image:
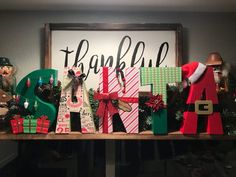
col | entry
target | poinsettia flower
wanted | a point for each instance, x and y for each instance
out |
(156, 103)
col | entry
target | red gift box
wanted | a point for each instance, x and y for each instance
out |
(43, 125)
(17, 124)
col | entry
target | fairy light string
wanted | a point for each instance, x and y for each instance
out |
(36, 82)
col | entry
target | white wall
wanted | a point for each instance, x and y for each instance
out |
(21, 36)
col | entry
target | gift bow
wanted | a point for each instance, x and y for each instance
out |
(156, 103)
(76, 81)
(29, 117)
(42, 128)
(105, 103)
(16, 117)
(43, 117)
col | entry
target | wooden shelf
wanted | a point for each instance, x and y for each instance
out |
(147, 135)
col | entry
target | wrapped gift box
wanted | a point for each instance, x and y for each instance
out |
(43, 124)
(17, 124)
(126, 94)
(30, 124)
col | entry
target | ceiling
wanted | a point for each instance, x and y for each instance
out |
(122, 5)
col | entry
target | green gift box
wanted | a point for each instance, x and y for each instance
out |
(30, 124)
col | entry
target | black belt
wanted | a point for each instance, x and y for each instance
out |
(191, 107)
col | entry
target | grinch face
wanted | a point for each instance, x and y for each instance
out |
(6, 71)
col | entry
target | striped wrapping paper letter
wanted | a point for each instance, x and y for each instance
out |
(110, 84)
(158, 78)
(130, 96)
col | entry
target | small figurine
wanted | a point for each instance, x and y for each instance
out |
(7, 78)
(7, 88)
(221, 71)
(224, 79)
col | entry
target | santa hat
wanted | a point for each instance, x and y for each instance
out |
(193, 71)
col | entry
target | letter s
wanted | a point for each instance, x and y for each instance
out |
(43, 108)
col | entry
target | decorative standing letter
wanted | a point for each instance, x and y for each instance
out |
(129, 95)
(158, 78)
(26, 91)
(74, 98)
(111, 89)
(208, 106)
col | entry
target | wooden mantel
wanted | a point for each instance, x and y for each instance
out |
(147, 135)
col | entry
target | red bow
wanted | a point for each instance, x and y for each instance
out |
(16, 117)
(156, 103)
(105, 106)
(43, 117)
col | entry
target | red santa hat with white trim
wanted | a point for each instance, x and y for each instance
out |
(192, 72)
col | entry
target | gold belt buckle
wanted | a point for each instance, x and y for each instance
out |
(206, 107)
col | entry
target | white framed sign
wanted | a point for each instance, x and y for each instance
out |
(91, 46)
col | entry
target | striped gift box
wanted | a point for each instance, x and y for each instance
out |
(130, 96)
(129, 119)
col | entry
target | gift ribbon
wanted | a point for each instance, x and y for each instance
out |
(16, 117)
(43, 118)
(129, 99)
(105, 106)
(76, 81)
(105, 100)
(29, 117)
(18, 123)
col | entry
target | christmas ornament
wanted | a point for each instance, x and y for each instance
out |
(36, 105)
(51, 80)
(17, 98)
(40, 82)
(26, 104)
(28, 83)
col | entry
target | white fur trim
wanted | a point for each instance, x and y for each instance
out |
(197, 73)
(226, 69)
